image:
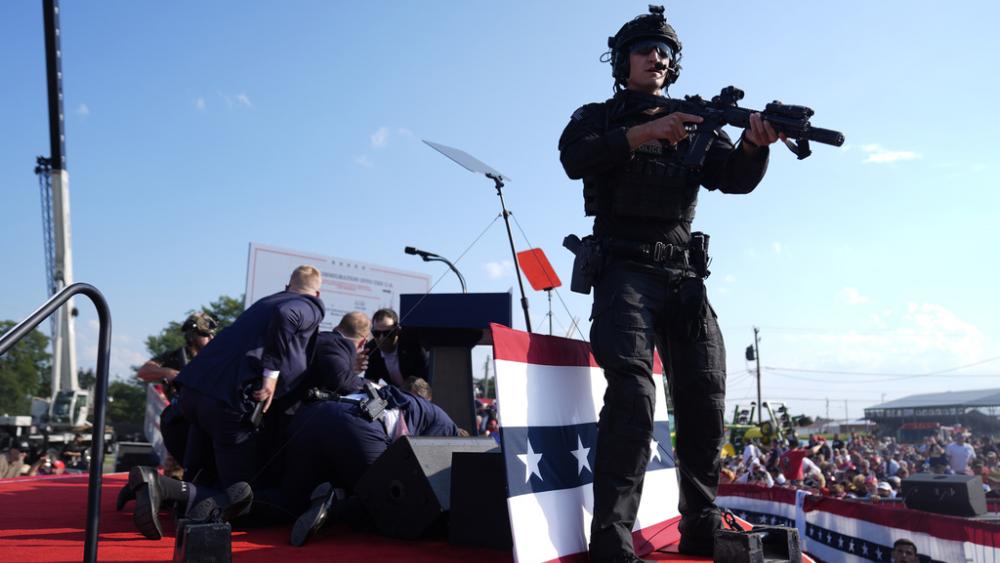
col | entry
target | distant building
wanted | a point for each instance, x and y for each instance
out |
(824, 426)
(977, 410)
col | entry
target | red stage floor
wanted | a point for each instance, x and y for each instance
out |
(43, 519)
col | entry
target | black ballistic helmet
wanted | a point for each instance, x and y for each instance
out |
(645, 27)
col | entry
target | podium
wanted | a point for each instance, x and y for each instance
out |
(449, 325)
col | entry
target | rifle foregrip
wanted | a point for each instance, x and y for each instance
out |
(826, 136)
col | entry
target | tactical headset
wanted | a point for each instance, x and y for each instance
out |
(647, 26)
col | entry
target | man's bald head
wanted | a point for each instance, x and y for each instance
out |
(355, 325)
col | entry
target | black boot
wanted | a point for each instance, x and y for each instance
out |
(698, 532)
(148, 496)
(125, 494)
(235, 501)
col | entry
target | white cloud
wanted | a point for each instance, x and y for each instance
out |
(853, 296)
(380, 138)
(363, 160)
(730, 278)
(776, 246)
(499, 269)
(199, 104)
(924, 339)
(879, 155)
(83, 110)
(404, 132)
(240, 99)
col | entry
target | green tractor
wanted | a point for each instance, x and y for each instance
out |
(775, 425)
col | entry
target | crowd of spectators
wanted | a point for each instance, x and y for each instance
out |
(21, 460)
(486, 418)
(863, 466)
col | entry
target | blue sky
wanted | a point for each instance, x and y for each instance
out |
(194, 128)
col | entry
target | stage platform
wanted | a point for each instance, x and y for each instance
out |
(43, 519)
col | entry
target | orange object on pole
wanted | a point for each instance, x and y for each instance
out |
(538, 270)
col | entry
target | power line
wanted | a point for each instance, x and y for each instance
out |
(836, 331)
(888, 375)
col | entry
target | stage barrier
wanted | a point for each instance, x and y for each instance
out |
(837, 530)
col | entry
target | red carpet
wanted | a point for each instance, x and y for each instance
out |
(43, 519)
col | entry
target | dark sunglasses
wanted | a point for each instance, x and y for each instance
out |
(647, 47)
(383, 333)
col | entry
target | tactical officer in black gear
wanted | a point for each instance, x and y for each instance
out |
(649, 269)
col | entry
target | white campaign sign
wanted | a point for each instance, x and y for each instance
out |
(348, 285)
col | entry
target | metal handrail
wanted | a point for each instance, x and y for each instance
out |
(21, 330)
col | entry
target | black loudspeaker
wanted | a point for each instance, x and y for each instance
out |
(957, 495)
(762, 544)
(203, 542)
(479, 515)
(131, 454)
(408, 488)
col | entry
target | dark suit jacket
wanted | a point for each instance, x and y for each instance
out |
(274, 333)
(332, 367)
(413, 360)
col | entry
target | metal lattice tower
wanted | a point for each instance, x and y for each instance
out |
(43, 170)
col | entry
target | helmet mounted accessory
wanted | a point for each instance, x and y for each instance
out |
(646, 31)
(199, 324)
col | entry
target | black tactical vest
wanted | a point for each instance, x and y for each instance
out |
(654, 184)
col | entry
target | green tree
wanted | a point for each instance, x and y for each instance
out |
(23, 369)
(128, 397)
(87, 378)
(225, 309)
(128, 402)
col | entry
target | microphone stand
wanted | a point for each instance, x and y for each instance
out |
(510, 237)
(435, 258)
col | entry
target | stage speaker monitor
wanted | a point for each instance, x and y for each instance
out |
(479, 515)
(956, 495)
(407, 490)
(131, 454)
(203, 542)
(762, 544)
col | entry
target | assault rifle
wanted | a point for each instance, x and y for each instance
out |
(791, 120)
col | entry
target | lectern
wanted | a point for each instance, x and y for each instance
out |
(450, 325)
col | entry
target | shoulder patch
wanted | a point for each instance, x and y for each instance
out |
(585, 111)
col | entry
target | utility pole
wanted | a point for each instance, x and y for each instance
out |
(753, 353)
(64, 374)
(486, 380)
(760, 403)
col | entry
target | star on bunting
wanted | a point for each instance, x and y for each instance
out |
(580, 453)
(530, 461)
(654, 450)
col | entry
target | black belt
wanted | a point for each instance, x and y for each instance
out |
(658, 253)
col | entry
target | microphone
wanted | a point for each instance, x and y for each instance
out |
(421, 253)
(661, 66)
(430, 256)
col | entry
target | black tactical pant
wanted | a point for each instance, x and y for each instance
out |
(238, 450)
(635, 307)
